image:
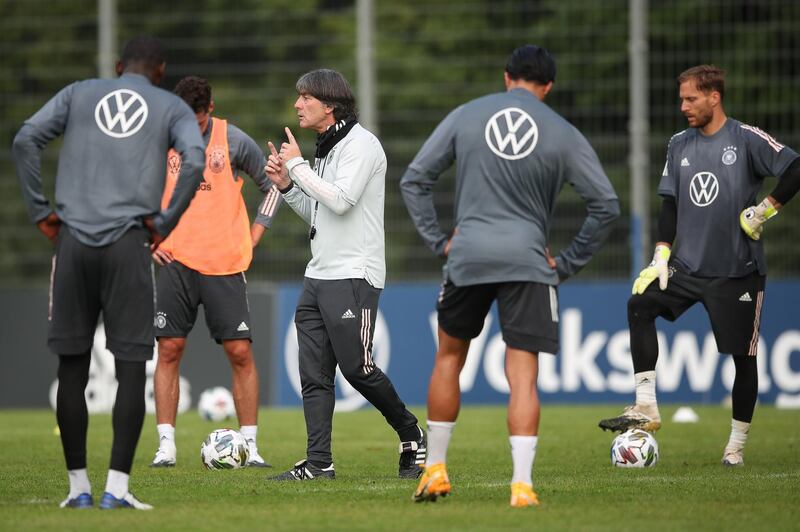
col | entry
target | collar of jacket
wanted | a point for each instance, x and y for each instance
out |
(327, 140)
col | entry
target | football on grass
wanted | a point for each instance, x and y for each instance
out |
(224, 449)
(216, 404)
(634, 448)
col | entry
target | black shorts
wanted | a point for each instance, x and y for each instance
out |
(181, 290)
(528, 313)
(733, 305)
(116, 279)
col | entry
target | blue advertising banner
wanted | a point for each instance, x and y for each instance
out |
(594, 361)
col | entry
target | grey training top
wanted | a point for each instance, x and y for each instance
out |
(513, 154)
(713, 178)
(246, 156)
(111, 165)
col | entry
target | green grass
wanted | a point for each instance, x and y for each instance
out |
(579, 490)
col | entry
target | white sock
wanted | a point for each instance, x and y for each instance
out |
(78, 482)
(249, 431)
(739, 430)
(439, 433)
(645, 388)
(165, 432)
(523, 451)
(117, 483)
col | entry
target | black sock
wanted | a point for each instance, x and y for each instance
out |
(128, 414)
(745, 388)
(71, 412)
(409, 433)
(644, 340)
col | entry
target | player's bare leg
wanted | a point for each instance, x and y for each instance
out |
(245, 393)
(166, 378)
(444, 390)
(522, 370)
(166, 383)
(444, 402)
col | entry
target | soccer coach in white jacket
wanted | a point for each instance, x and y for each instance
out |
(341, 198)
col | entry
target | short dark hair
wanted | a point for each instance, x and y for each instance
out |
(707, 78)
(143, 49)
(331, 88)
(194, 91)
(531, 63)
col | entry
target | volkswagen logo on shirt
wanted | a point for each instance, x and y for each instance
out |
(511, 133)
(121, 113)
(703, 189)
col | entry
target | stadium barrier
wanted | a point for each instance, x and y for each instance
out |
(592, 366)
(28, 377)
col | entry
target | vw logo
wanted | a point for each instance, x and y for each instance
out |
(511, 133)
(121, 113)
(347, 398)
(703, 189)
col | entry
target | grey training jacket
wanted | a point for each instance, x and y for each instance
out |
(513, 154)
(111, 165)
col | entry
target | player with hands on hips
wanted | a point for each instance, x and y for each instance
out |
(508, 181)
(106, 219)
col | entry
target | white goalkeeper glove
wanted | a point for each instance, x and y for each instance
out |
(657, 269)
(752, 218)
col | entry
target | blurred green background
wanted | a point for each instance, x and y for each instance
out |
(430, 56)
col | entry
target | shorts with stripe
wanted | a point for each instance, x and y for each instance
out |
(116, 280)
(733, 305)
(181, 291)
(528, 312)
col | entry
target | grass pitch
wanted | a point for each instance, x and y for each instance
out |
(578, 488)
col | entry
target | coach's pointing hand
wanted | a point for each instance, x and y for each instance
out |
(290, 149)
(275, 169)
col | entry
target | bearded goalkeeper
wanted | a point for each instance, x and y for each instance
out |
(713, 173)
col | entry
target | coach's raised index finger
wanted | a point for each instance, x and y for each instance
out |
(272, 148)
(289, 136)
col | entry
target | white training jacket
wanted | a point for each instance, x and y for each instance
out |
(342, 198)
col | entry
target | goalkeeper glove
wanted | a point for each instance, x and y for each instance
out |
(657, 269)
(752, 218)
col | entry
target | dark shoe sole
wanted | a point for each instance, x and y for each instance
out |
(410, 473)
(288, 477)
(622, 424)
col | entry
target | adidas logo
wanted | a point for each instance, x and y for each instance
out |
(745, 297)
(684, 162)
(348, 314)
(243, 327)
